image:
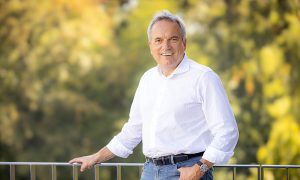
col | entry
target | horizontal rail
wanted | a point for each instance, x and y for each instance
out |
(67, 164)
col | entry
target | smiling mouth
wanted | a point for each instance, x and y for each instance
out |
(167, 54)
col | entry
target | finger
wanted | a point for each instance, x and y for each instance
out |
(75, 160)
(83, 167)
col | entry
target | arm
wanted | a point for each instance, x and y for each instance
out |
(122, 144)
(219, 118)
(87, 162)
(221, 123)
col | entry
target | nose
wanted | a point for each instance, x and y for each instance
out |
(166, 45)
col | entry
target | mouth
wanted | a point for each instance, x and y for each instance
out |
(166, 54)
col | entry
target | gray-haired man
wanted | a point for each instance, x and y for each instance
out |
(180, 112)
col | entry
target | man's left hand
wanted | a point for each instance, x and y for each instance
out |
(190, 173)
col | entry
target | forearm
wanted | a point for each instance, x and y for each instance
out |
(103, 155)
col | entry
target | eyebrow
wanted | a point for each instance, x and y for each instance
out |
(174, 37)
(168, 38)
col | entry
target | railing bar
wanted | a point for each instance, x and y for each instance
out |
(233, 173)
(259, 173)
(119, 173)
(262, 173)
(75, 172)
(141, 170)
(53, 172)
(32, 172)
(96, 171)
(12, 175)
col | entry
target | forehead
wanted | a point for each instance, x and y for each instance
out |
(165, 28)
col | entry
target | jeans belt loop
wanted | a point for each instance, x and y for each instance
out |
(172, 159)
(163, 160)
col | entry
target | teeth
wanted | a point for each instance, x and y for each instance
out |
(166, 54)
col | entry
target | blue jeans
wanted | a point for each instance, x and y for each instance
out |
(170, 172)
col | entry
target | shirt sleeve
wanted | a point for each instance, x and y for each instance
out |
(122, 145)
(220, 119)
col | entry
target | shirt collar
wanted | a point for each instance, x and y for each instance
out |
(181, 68)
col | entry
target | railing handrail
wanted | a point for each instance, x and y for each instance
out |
(67, 164)
(141, 164)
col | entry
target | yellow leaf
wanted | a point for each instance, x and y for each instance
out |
(280, 107)
(271, 58)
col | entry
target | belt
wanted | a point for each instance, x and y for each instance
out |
(173, 159)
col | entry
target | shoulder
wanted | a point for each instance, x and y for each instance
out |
(148, 75)
(200, 70)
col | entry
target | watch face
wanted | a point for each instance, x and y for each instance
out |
(203, 168)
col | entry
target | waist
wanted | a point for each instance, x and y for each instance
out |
(173, 159)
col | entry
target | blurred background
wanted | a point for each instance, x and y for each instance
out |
(69, 70)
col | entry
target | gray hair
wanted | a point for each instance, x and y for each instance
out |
(166, 15)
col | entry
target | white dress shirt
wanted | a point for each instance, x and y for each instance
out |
(186, 112)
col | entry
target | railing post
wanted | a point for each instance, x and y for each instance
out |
(12, 175)
(259, 172)
(233, 173)
(32, 172)
(96, 171)
(141, 170)
(287, 174)
(119, 172)
(75, 172)
(53, 172)
(262, 172)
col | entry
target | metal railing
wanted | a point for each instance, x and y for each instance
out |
(118, 166)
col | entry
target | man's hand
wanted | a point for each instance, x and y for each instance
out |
(190, 173)
(88, 162)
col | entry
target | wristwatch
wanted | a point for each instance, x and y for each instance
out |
(203, 166)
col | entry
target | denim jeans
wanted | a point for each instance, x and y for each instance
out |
(170, 172)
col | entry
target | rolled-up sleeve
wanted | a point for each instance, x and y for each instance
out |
(220, 120)
(122, 144)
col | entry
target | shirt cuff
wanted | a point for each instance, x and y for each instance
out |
(216, 156)
(118, 149)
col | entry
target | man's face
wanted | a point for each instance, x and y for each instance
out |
(166, 45)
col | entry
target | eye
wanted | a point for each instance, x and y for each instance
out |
(174, 39)
(157, 41)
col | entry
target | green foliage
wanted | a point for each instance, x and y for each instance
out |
(69, 69)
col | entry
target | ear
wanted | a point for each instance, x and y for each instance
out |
(184, 44)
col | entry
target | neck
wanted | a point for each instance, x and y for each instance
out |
(167, 72)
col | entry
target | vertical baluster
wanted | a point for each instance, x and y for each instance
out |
(140, 170)
(12, 175)
(32, 172)
(262, 173)
(119, 172)
(234, 173)
(96, 171)
(75, 172)
(287, 174)
(53, 172)
(259, 173)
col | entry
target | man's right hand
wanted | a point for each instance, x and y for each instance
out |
(88, 162)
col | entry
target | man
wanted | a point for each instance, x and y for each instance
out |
(180, 112)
